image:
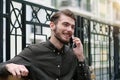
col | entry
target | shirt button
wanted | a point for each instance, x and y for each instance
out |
(85, 74)
(58, 53)
(57, 79)
(58, 66)
(53, 50)
(80, 65)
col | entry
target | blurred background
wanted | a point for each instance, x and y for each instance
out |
(25, 22)
(103, 10)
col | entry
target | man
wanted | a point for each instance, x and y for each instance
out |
(53, 59)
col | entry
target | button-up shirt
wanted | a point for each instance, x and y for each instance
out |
(45, 62)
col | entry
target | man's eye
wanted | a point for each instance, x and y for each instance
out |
(73, 26)
(66, 24)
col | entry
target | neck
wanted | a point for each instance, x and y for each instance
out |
(56, 42)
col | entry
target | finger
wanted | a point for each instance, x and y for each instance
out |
(18, 73)
(77, 39)
(24, 71)
(77, 42)
(13, 73)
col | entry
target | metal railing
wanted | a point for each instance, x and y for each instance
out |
(28, 23)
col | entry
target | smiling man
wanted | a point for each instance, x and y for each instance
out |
(53, 59)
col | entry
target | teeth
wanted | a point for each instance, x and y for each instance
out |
(67, 35)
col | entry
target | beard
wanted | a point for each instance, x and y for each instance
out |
(58, 37)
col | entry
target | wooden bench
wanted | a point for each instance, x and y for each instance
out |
(10, 77)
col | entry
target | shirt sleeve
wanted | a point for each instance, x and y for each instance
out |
(21, 58)
(3, 71)
(82, 72)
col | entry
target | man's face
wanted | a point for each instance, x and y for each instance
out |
(64, 29)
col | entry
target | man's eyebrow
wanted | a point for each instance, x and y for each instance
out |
(68, 23)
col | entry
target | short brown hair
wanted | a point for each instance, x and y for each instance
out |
(66, 12)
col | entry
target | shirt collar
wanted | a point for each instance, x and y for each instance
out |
(54, 48)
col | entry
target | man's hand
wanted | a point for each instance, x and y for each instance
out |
(78, 50)
(17, 70)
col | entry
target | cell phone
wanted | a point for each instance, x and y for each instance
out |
(72, 45)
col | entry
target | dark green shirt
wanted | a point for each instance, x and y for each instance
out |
(46, 62)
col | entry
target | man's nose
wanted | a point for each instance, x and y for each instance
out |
(69, 28)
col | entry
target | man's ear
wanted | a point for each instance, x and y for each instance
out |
(52, 25)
